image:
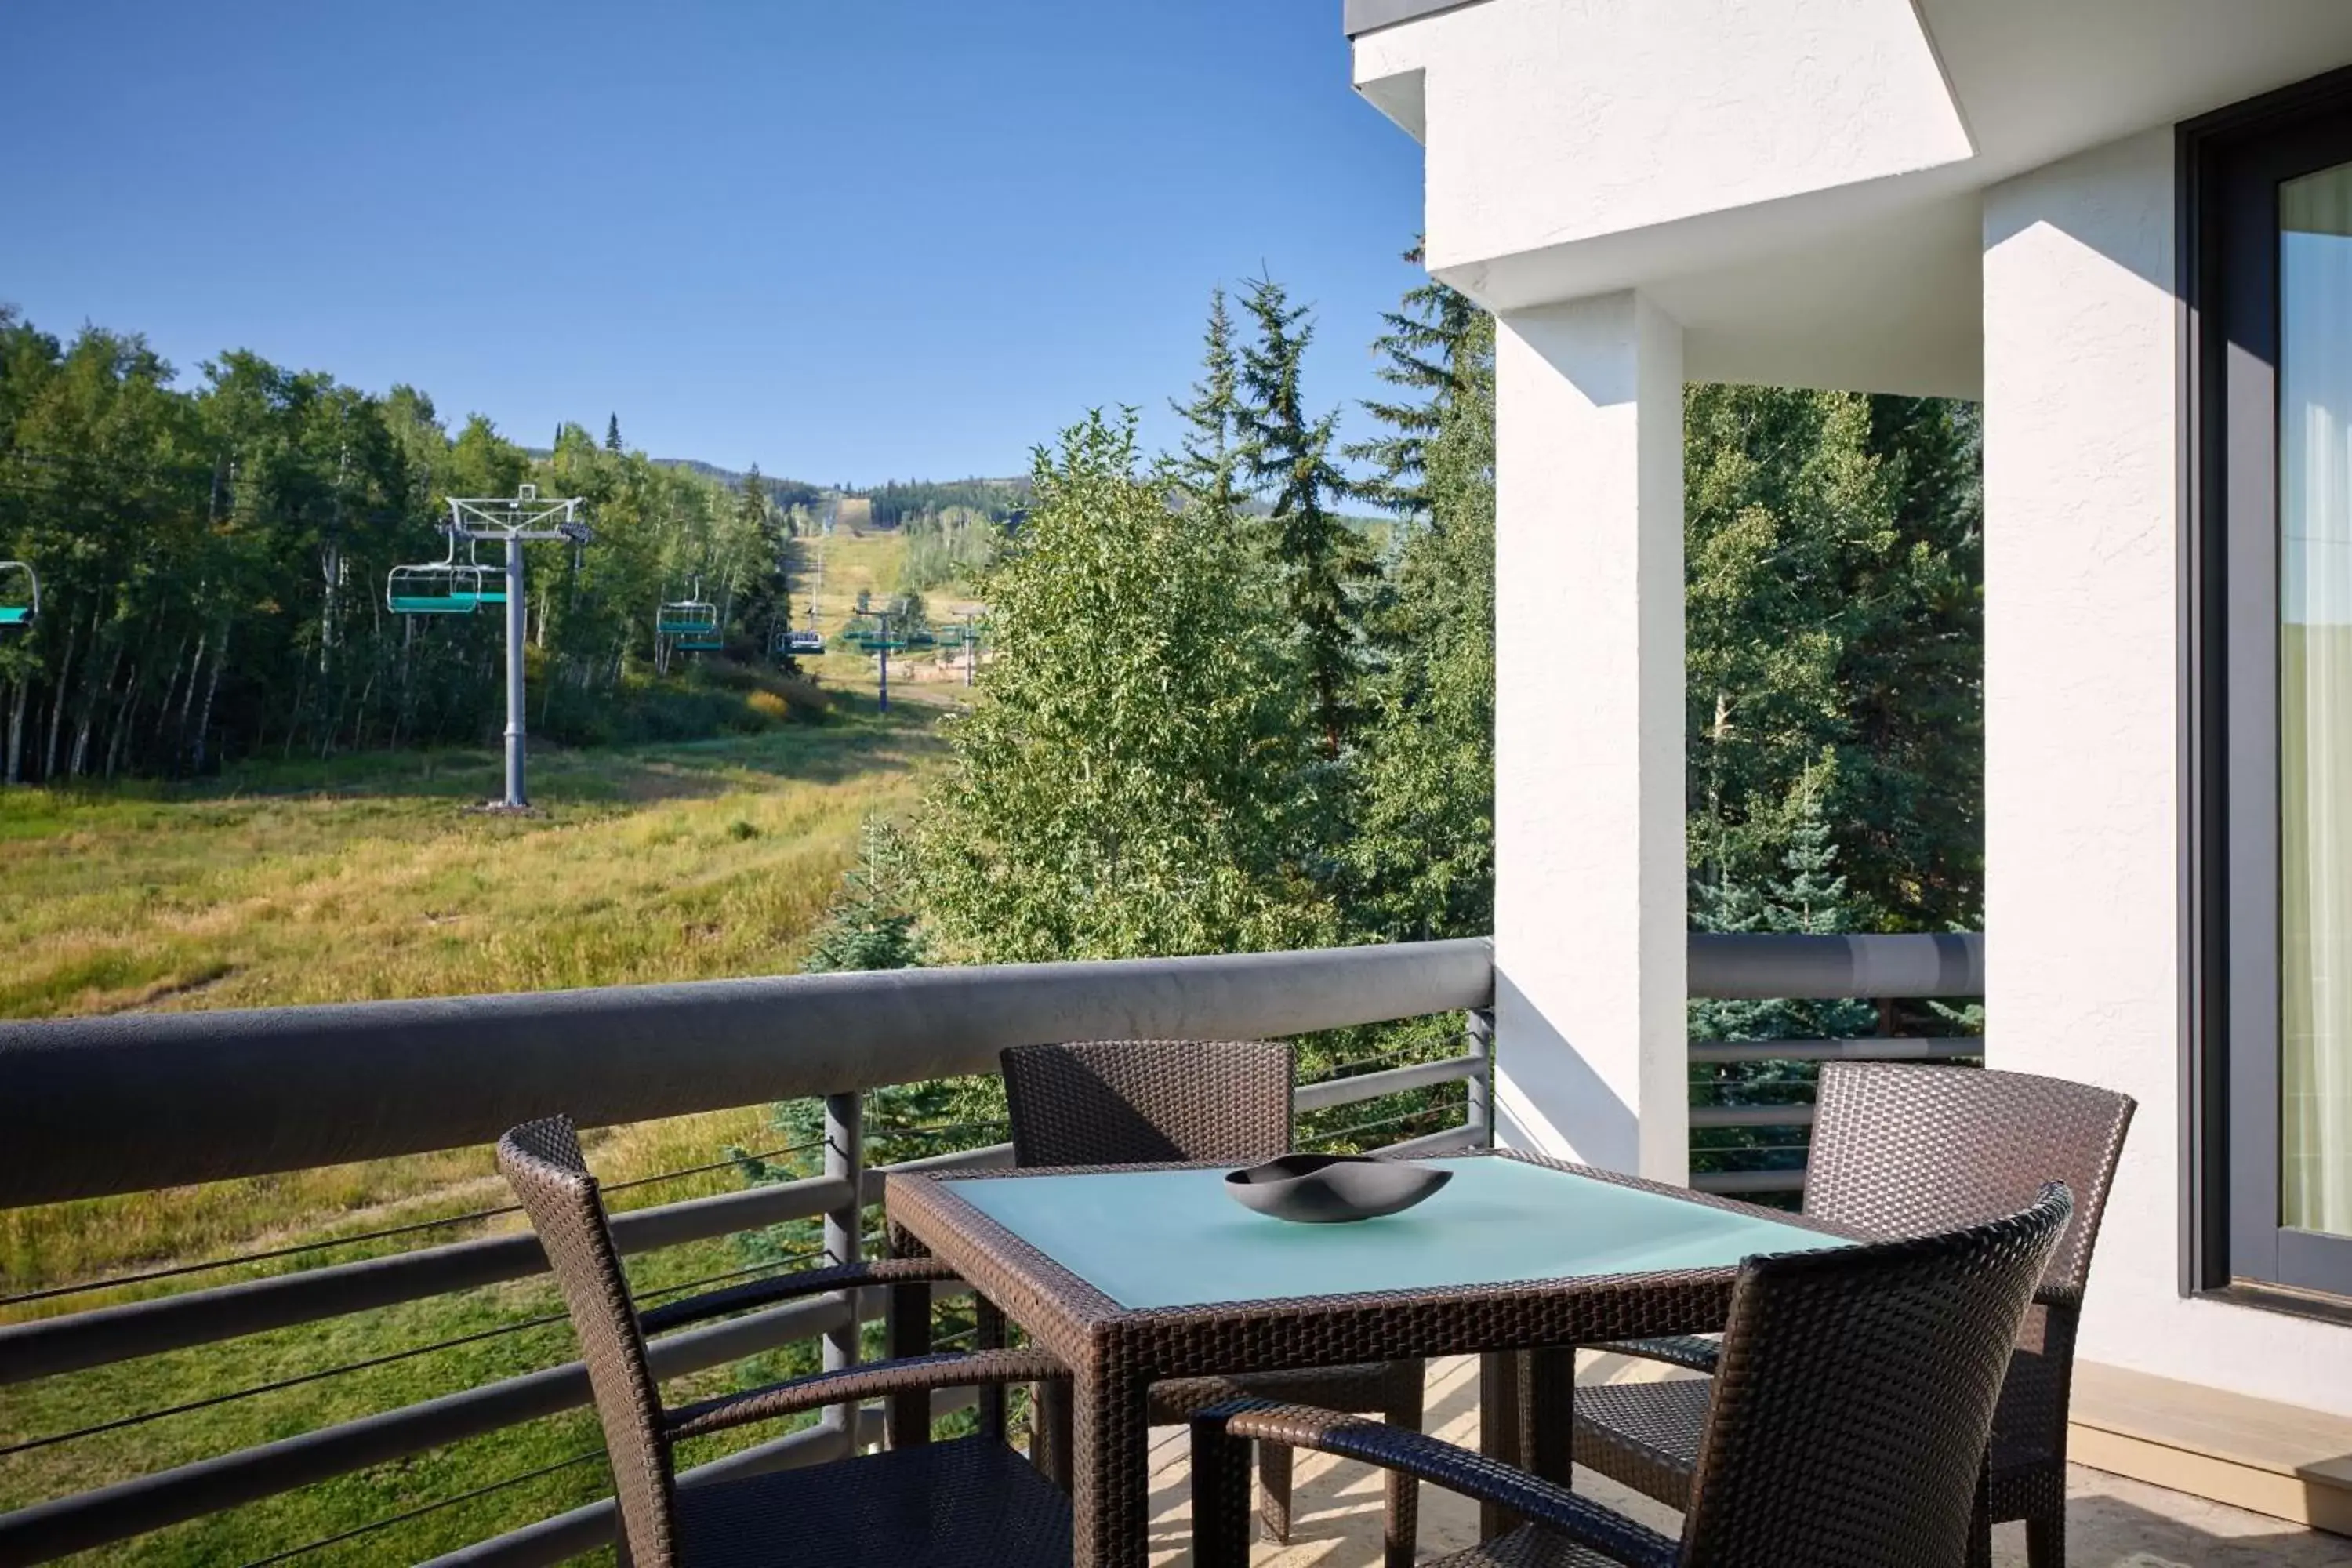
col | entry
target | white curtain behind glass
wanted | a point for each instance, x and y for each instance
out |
(2315, 702)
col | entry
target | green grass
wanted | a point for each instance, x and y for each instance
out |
(363, 878)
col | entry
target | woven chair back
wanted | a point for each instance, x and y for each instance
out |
(1123, 1103)
(542, 1160)
(1855, 1396)
(1900, 1149)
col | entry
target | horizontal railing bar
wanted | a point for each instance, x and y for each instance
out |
(1877, 1048)
(133, 1507)
(247, 1259)
(1751, 1116)
(406, 1516)
(1395, 1081)
(1762, 966)
(592, 1525)
(584, 1529)
(47, 1346)
(126, 1103)
(1734, 1181)
(1463, 1137)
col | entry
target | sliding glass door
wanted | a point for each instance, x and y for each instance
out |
(2276, 456)
(2314, 675)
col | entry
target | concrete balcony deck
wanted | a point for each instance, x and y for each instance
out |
(2113, 1521)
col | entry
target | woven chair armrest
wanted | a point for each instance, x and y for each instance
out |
(850, 1385)
(2059, 1298)
(1686, 1351)
(1444, 1464)
(790, 1286)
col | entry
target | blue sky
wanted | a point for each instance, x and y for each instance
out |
(849, 240)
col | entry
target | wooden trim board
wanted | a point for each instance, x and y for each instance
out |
(2278, 1459)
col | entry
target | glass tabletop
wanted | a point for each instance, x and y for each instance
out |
(1173, 1238)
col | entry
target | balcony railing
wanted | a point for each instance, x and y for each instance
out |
(92, 1108)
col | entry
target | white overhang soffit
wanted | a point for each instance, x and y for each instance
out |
(1636, 128)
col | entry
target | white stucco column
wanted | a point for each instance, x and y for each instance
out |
(1590, 917)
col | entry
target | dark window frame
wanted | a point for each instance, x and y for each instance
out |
(2229, 165)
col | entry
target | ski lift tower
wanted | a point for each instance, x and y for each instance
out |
(515, 520)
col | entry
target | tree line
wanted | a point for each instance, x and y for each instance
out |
(212, 563)
(1226, 719)
(1223, 720)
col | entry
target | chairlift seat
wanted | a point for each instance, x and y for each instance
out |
(436, 588)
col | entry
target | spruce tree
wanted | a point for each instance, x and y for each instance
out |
(1208, 469)
(1289, 457)
(611, 433)
(1420, 850)
(1423, 348)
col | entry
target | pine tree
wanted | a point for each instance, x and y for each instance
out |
(611, 433)
(1208, 470)
(1289, 457)
(1419, 850)
(1424, 348)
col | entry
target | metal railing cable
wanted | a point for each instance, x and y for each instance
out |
(421, 1511)
(389, 1358)
(1338, 1070)
(235, 1261)
(1413, 1115)
(733, 1163)
(328, 1244)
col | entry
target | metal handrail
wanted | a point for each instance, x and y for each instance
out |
(119, 1104)
(1289, 993)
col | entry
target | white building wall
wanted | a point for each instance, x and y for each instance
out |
(2083, 712)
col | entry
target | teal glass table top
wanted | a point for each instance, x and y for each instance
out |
(1173, 1238)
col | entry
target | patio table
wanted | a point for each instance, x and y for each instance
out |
(1132, 1275)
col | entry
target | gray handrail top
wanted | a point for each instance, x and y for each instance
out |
(126, 1103)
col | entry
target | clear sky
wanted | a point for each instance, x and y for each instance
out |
(849, 240)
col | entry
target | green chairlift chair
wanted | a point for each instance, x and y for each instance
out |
(20, 595)
(436, 588)
(691, 624)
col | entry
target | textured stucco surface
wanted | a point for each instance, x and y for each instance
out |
(2081, 807)
(1589, 944)
(1550, 122)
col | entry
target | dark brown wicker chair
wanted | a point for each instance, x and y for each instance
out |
(1898, 1151)
(1125, 1103)
(973, 1502)
(1853, 1394)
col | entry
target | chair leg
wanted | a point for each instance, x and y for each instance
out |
(2045, 1540)
(1050, 1413)
(1401, 1536)
(1273, 1489)
(988, 1334)
(1220, 1497)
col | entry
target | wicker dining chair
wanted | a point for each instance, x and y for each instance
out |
(1126, 1102)
(963, 1504)
(1899, 1150)
(1854, 1390)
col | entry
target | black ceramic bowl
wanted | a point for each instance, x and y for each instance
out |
(1332, 1189)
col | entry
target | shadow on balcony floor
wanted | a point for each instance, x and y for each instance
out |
(2113, 1522)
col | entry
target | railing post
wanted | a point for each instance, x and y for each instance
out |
(1479, 1033)
(845, 1157)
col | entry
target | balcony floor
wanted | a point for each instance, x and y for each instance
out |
(2113, 1522)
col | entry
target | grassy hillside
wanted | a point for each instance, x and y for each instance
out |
(368, 878)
